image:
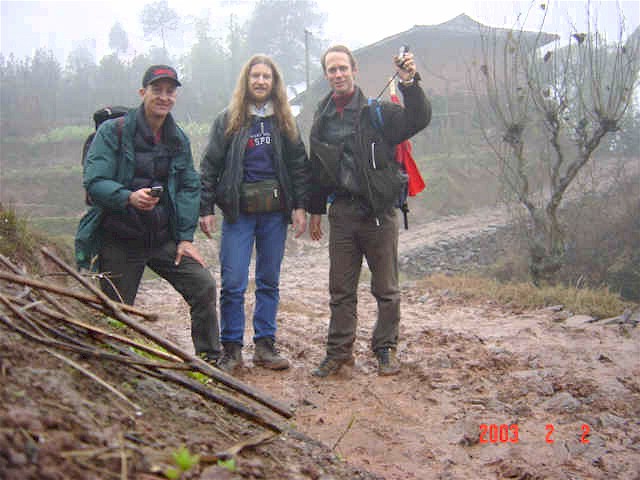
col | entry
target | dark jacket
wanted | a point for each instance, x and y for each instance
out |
(222, 170)
(110, 167)
(379, 175)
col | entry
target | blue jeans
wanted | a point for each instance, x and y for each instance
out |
(270, 233)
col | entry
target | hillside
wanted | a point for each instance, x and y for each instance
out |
(467, 366)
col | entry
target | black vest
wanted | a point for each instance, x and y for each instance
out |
(340, 129)
(152, 162)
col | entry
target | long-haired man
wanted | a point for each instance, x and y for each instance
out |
(256, 170)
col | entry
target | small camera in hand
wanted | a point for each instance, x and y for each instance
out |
(156, 191)
(402, 53)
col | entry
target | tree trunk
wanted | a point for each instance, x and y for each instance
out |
(546, 245)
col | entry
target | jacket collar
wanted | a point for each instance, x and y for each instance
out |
(136, 119)
(265, 111)
(327, 107)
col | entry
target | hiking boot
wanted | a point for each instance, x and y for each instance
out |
(388, 364)
(210, 358)
(266, 355)
(331, 366)
(231, 357)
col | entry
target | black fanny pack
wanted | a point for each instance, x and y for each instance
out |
(261, 197)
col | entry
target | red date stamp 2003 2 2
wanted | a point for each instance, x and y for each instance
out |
(509, 433)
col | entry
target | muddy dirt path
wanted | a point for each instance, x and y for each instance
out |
(485, 392)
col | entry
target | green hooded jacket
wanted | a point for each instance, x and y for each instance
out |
(109, 169)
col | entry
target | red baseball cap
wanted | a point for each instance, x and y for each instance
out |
(156, 72)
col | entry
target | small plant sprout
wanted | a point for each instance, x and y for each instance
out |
(183, 461)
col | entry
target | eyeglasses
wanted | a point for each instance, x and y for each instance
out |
(160, 90)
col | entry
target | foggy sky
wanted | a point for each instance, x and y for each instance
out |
(61, 25)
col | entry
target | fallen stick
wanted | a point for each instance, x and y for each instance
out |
(34, 326)
(93, 452)
(98, 332)
(151, 368)
(123, 459)
(335, 445)
(234, 450)
(233, 405)
(83, 297)
(94, 377)
(197, 363)
(52, 300)
(87, 351)
(196, 387)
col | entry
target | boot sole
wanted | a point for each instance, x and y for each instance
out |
(271, 366)
(321, 374)
(231, 371)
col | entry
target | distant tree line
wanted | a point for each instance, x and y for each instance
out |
(38, 93)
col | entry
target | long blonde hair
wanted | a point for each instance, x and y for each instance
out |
(238, 110)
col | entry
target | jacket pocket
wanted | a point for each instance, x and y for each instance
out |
(386, 185)
(325, 159)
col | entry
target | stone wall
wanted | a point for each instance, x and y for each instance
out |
(460, 254)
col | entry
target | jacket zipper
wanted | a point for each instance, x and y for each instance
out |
(373, 155)
(373, 160)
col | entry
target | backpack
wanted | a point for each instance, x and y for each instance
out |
(375, 116)
(99, 117)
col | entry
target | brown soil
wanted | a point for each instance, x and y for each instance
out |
(471, 372)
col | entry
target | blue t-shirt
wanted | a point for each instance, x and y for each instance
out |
(258, 157)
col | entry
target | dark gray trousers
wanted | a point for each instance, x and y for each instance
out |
(352, 237)
(197, 286)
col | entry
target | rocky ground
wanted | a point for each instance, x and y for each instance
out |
(486, 391)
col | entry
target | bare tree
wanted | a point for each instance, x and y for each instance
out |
(545, 113)
(158, 19)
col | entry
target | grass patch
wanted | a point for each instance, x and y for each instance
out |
(599, 303)
(16, 240)
(20, 242)
(63, 227)
(70, 133)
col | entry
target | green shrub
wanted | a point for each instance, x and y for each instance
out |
(69, 133)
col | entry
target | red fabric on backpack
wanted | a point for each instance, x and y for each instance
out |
(403, 156)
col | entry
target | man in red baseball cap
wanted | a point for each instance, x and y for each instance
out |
(156, 72)
(145, 190)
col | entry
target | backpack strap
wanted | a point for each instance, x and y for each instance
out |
(119, 128)
(375, 115)
(87, 144)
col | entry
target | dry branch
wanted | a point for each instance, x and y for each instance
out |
(99, 333)
(52, 300)
(351, 422)
(154, 369)
(91, 352)
(96, 379)
(234, 450)
(57, 289)
(233, 405)
(57, 328)
(197, 363)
